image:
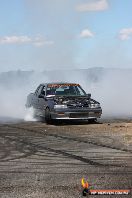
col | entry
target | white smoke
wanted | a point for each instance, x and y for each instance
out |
(12, 102)
(14, 94)
(114, 93)
(29, 116)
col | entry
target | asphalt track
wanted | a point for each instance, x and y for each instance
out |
(39, 160)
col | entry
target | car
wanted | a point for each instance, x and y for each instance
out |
(63, 100)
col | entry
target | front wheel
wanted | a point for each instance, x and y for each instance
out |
(48, 119)
(92, 121)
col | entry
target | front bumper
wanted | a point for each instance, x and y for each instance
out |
(76, 113)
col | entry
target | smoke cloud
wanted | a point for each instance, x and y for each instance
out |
(114, 93)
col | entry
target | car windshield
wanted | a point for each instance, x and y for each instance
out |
(65, 90)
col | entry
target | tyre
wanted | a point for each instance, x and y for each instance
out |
(48, 119)
(92, 121)
(35, 115)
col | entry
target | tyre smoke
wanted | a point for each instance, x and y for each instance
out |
(29, 115)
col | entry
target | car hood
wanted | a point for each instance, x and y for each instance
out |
(73, 101)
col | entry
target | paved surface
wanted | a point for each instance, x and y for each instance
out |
(39, 160)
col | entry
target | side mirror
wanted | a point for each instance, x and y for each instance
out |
(89, 95)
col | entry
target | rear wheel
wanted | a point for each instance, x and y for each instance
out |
(36, 116)
(35, 113)
(48, 119)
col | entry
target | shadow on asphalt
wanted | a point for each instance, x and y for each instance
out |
(73, 122)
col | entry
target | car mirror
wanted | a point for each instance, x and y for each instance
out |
(89, 95)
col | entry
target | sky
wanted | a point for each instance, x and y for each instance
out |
(65, 34)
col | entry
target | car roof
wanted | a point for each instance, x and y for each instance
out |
(57, 83)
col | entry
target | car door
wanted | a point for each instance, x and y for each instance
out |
(41, 102)
(35, 97)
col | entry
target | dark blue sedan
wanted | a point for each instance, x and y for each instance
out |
(63, 101)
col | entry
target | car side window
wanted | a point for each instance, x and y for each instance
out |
(39, 90)
(43, 91)
(36, 92)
